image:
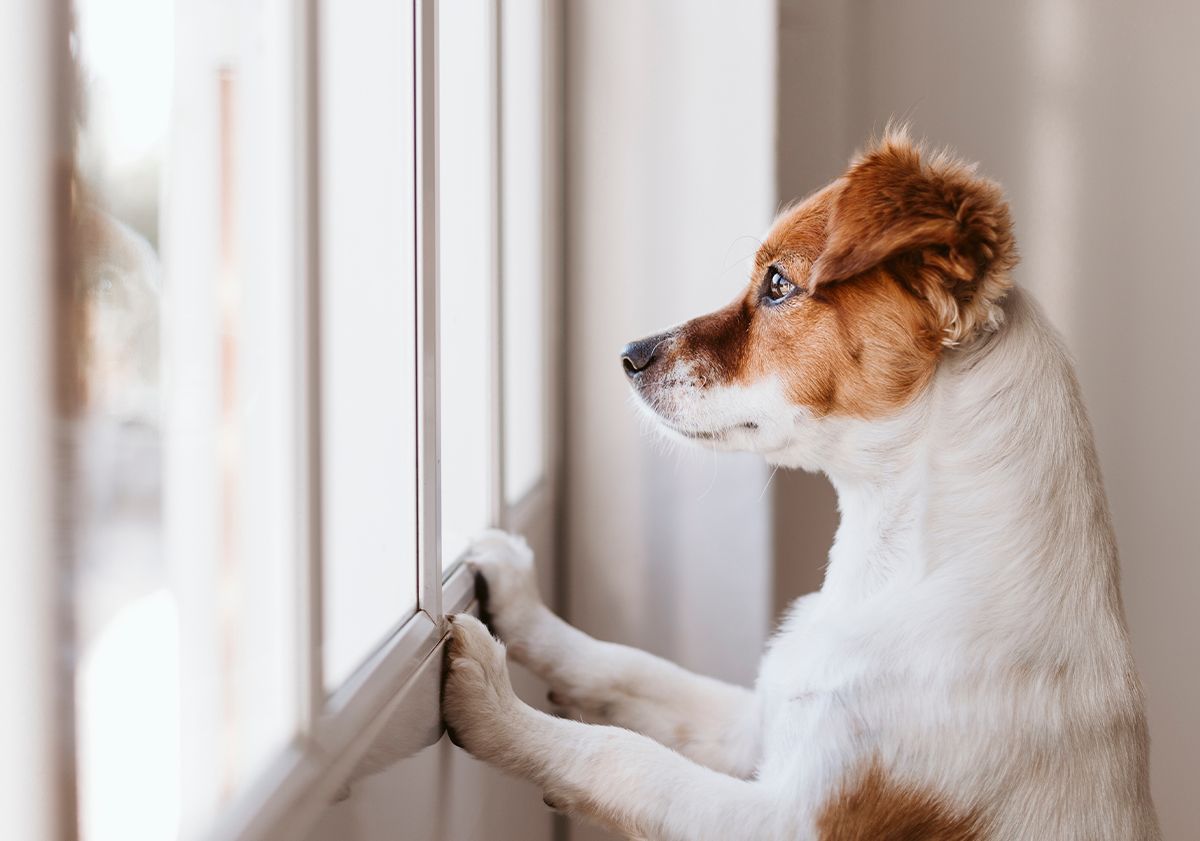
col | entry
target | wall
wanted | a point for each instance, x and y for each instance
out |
(1088, 113)
(670, 180)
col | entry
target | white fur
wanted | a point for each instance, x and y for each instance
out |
(969, 634)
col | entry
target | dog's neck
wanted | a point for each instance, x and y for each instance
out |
(989, 478)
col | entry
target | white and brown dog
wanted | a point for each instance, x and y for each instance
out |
(965, 671)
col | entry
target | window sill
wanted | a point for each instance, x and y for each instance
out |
(389, 710)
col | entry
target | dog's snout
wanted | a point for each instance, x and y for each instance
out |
(640, 355)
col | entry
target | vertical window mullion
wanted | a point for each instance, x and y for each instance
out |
(499, 508)
(429, 578)
(309, 595)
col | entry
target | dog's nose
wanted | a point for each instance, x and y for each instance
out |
(638, 356)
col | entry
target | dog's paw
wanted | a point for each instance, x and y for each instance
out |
(479, 707)
(506, 581)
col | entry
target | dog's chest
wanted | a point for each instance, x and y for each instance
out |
(837, 687)
(810, 684)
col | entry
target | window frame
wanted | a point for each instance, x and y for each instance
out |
(397, 686)
(397, 689)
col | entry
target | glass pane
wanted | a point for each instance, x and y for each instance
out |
(368, 324)
(523, 246)
(184, 467)
(466, 179)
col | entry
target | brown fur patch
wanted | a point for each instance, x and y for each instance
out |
(874, 807)
(895, 260)
(951, 225)
(718, 340)
(861, 348)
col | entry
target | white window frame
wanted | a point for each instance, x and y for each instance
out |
(395, 692)
(396, 689)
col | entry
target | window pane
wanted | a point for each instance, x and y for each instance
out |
(523, 266)
(368, 367)
(184, 469)
(466, 179)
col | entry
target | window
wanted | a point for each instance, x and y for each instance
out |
(368, 327)
(523, 133)
(303, 351)
(467, 189)
(186, 430)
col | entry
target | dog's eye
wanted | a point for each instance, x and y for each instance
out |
(778, 286)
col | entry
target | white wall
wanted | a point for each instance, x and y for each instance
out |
(1088, 112)
(670, 182)
(670, 179)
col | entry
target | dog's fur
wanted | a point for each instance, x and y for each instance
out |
(965, 672)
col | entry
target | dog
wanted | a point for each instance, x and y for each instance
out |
(965, 671)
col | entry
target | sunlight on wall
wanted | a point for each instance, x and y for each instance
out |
(674, 162)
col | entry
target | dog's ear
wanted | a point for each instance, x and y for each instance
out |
(938, 226)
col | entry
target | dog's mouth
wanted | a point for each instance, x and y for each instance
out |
(714, 434)
(674, 395)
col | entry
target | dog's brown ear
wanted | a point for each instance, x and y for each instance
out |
(941, 228)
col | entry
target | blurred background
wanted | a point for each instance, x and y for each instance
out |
(234, 201)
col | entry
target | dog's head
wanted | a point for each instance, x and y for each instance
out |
(854, 295)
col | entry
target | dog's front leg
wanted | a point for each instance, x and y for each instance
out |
(710, 722)
(613, 776)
